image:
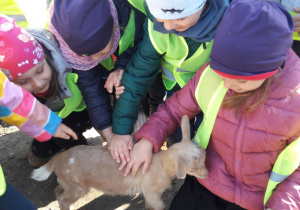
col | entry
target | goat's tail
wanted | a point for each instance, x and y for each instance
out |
(42, 173)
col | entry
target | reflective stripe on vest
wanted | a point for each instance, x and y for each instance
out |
(126, 41)
(175, 67)
(169, 75)
(287, 162)
(2, 182)
(18, 18)
(209, 94)
(75, 102)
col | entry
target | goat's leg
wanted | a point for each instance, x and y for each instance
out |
(58, 190)
(154, 201)
(63, 203)
(67, 196)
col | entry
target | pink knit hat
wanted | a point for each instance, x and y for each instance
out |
(19, 51)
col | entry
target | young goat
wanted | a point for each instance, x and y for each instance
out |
(84, 167)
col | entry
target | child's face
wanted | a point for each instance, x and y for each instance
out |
(37, 79)
(105, 51)
(241, 85)
(181, 24)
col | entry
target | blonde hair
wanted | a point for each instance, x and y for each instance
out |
(249, 101)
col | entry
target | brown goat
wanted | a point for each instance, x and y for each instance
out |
(85, 167)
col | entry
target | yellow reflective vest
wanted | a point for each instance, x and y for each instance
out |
(2, 182)
(175, 67)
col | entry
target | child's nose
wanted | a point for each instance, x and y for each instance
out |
(37, 83)
(169, 24)
(227, 82)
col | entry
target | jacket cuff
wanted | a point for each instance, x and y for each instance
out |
(156, 144)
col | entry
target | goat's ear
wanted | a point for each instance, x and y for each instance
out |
(185, 127)
(180, 168)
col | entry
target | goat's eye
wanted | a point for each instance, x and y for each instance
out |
(195, 158)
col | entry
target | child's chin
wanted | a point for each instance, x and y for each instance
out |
(238, 91)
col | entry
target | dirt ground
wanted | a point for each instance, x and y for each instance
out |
(13, 158)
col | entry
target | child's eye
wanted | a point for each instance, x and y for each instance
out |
(242, 81)
(40, 71)
(180, 19)
(23, 82)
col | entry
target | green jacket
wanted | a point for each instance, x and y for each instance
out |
(140, 74)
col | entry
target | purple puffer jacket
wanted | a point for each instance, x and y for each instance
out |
(242, 151)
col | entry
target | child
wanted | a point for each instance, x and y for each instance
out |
(34, 119)
(105, 32)
(259, 115)
(39, 68)
(177, 41)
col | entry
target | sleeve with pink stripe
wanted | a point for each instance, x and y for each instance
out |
(31, 109)
(25, 105)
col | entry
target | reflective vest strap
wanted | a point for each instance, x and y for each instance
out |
(286, 163)
(138, 4)
(150, 27)
(127, 39)
(209, 93)
(2, 182)
(75, 102)
(270, 187)
(108, 64)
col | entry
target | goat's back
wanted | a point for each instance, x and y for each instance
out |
(93, 167)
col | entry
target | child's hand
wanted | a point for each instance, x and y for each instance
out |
(297, 20)
(64, 132)
(108, 134)
(119, 148)
(119, 91)
(114, 80)
(141, 153)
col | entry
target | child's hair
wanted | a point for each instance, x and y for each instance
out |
(54, 86)
(249, 101)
